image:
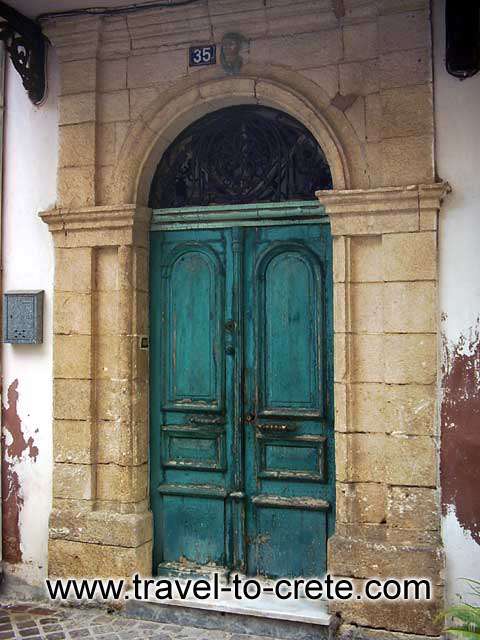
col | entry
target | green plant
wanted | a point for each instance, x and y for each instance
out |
(466, 617)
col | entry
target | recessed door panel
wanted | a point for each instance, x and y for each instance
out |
(288, 353)
(295, 458)
(289, 328)
(288, 542)
(194, 530)
(193, 318)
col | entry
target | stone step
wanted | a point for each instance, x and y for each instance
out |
(288, 619)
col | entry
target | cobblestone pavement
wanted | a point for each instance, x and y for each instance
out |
(34, 621)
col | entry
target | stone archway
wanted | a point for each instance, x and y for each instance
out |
(159, 125)
(101, 523)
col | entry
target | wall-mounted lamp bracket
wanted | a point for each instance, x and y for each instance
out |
(27, 46)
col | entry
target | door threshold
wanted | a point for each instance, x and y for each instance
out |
(300, 619)
(267, 606)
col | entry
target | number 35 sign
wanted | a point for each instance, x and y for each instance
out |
(200, 56)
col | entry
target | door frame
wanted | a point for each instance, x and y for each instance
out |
(243, 215)
(246, 215)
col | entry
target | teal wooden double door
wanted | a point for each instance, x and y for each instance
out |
(242, 452)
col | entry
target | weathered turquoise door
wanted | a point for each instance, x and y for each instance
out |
(242, 459)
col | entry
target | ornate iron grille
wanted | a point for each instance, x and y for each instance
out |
(240, 155)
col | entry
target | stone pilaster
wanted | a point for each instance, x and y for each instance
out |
(77, 42)
(100, 523)
(385, 288)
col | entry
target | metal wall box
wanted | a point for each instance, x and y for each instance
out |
(23, 317)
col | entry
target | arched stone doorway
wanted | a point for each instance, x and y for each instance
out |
(241, 392)
(384, 361)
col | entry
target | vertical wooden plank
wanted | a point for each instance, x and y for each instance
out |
(193, 355)
(290, 489)
(238, 453)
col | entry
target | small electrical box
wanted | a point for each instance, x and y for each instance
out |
(23, 317)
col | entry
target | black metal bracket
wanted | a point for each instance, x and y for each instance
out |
(27, 46)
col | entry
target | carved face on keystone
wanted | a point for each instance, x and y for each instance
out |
(230, 56)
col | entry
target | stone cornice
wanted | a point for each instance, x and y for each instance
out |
(97, 226)
(75, 38)
(103, 216)
(383, 210)
(156, 28)
(431, 196)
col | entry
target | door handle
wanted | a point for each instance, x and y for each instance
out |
(277, 428)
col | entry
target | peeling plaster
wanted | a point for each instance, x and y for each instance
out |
(15, 448)
(460, 417)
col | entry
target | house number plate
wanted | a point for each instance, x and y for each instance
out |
(200, 56)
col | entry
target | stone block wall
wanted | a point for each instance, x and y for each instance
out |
(386, 435)
(100, 523)
(370, 68)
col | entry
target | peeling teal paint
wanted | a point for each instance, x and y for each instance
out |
(242, 449)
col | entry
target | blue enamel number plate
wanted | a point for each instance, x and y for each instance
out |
(205, 55)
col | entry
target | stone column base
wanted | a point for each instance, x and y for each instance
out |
(78, 544)
(362, 559)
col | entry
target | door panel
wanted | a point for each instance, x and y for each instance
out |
(191, 406)
(241, 418)
(193, 530)
(289, 542)
(195, 291)
(289, 472)
(287, 328)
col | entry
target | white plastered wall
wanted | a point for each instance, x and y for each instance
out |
(457, 118)
(30, 161)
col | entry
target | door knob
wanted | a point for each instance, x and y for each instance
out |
(250, 417)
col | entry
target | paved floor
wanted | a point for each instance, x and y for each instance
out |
(34, 621)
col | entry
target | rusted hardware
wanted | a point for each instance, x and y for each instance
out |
(276, 427)
(250, 417)
(283, 502)
(206, 420)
